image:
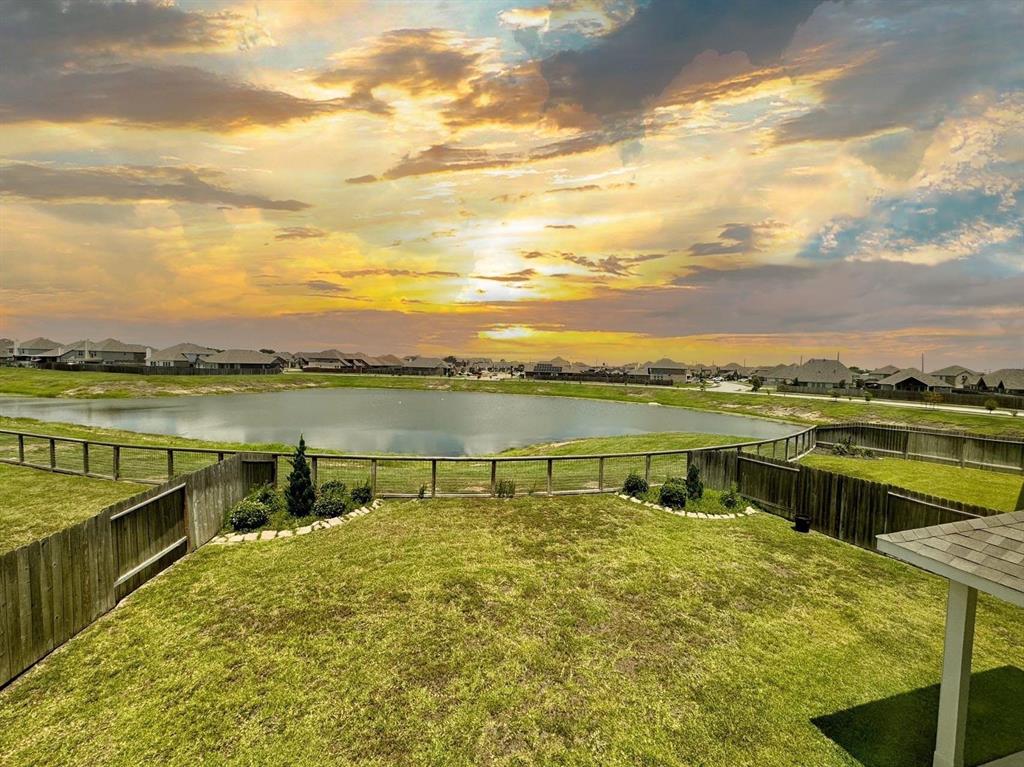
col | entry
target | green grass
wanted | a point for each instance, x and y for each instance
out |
(51, 383)
(634, 443)
(34, 503)
(584, 631)
(983, 488)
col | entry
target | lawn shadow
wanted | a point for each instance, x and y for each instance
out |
(899, 731)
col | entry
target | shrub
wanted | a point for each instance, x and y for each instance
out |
(248, 514)
(731, 499)
(505, 488)
(991, 405)
(333, 500)
(673, 493)
(268, 496)
(635, 485)
(694, 484)
(868, 396)
(422, 492)
(362, 494)
(299, 494)
(755, 383)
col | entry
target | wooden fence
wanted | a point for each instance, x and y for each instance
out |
(954, 448)
(848, 508)
(53, 588)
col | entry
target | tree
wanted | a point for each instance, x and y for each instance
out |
(299, 493)
(991, 405)
(868, 396)
(755, 383)
(694, 484)
(933, 398)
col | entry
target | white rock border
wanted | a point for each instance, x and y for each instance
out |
(690, 514)
(270, 535)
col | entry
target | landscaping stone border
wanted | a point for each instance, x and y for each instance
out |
(691, 514)
(270, 535)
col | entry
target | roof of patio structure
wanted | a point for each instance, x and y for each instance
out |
(986, 553)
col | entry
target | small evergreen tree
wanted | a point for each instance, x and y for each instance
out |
(299, 494)
(694, 484)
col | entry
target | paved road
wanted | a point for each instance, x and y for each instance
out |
(735, 387)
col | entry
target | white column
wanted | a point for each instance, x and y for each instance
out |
(956, 676)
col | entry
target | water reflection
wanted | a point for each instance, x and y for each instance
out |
(383, 420)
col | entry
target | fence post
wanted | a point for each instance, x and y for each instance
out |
(312, 469)
(85, 457)
(220, 457)
(494, 477)
(170, 463)
(116, 467)
(53, 453)
(433, 477)
(373, 477)
(647, 468)
(963, 450)
(600, 474)
(550, 470)
(21, 448)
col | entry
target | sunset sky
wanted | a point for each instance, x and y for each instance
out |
(605, 180)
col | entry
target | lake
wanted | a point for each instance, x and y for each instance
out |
(388, 420)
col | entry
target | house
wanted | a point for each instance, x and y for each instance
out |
(426, 366)
(246, 360)
(879, 373)
(109, 351)
(1005, 381)
(6, 349)
(35, 348)
(184, 355)
(328, 359)
(822, 374)
(665, 370)
(734, 371)
(549, 369)
(700, 370)
(955, 375)
(780, 374)
(912, 379)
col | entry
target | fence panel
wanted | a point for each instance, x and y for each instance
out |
(575, 474)
(398, 477)
(617, 469)
(668, 465)
(530, 476)
(770, 483)
(148, 536)
(717, 467)
(351, 471)
(460, 477)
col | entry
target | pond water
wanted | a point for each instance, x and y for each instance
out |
(388, 420)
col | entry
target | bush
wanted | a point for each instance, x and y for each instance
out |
(673, 493)
(868, 396)
(422, 492)
(299, 493)
(991, 405)
(635, 485)
(755, 383)
(505, 488)
(362, 494)
(694, 484)
(268, 496)
(333, 500)
(731, 499)
(248, 514)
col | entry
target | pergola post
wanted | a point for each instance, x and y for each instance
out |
(956, 675)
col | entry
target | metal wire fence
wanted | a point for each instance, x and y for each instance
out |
(394, 476)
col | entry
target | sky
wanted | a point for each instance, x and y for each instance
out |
(605, 180)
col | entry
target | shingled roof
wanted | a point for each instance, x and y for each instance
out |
(241, 357)
(180, 352)
(908, 373)
(823, 371)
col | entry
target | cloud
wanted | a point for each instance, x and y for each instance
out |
(129, 183)
(176, 97)
(620, 266)
(523, 275)
(325, 286)
(560, 226)
(299, 233)
(892, 74)
(369, 178)
(418, 61)
(736, 239)
(389, 272)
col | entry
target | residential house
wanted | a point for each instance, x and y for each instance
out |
(734, 371)
(328, 359)
(779, 375)
(109, 351)
(548, 369)
(822, 374)
(955, 375)
(244, 360)
(912, 379)
(879, 373)
(665, 369)
(1005, 381)
(426, 366)
(34, 349)
(184, 355)
(6, 350)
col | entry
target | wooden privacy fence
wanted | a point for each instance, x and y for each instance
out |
(953, 397)
(844, 507)
(53, 588)
(958, 449)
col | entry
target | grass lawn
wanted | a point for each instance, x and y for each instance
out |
(35, 503)
(984, 488)
(53, 383)
(634, 443)
(582, 631)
